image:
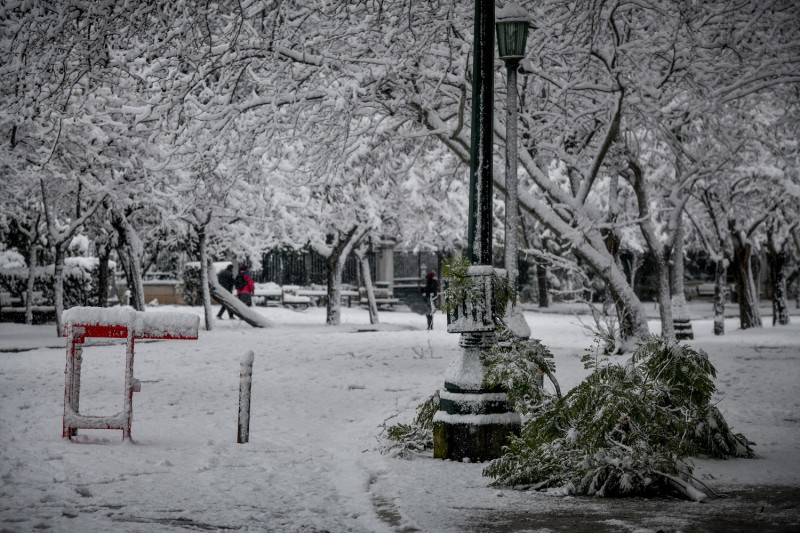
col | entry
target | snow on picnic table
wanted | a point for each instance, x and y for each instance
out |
(320, 396)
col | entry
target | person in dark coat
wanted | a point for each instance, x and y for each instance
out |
(430, 291)
(245, 286)
(225, 279)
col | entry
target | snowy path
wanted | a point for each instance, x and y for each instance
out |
(320, 396)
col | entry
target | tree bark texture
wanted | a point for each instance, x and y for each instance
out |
(129, 249)
(776, 258)
(657, 252)
(749, 314)
(720, 277)
(58, 279)
(202, 237)
(104, 253)
(372, 306)
(541, 283)
(338, 255)
(32, 257)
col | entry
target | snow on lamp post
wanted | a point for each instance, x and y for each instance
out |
(512, 36)
(474, 422)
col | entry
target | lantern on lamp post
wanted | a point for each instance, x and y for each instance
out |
(512, 37)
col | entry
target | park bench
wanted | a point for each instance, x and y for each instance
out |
(268, 294)
(384, 298)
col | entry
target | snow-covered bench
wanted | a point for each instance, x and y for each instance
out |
(384, 296)
(271, 294)
(268, 294)
(705, 290)
(291, 297)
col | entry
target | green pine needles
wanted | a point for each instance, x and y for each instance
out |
(460, 287)
(519, 366)
(626, 429)
(407, 440)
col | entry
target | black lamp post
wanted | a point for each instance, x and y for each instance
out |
(512, 36)
(472, 421)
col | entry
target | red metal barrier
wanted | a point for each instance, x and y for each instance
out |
(113, 323)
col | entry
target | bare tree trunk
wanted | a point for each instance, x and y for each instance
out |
(367, 275)
(207, 311)
(58, 279)
(719, 296)
(102, 275)
(663, 295)
(131, 249)
(776, 258)
(633, 267)
(749, 314)
(338, 255)
(32, 258)
(755, 266)
(657, 251)
(541, 283)
(333, 312)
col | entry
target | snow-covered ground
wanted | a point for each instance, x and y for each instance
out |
(320, 397)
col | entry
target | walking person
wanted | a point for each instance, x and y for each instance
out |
(225, 279)
(244, 286)
(430, 291)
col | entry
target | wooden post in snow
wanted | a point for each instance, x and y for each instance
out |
(245, 380)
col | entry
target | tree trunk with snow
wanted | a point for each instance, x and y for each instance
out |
(720, 277)
(663, 295)
(32, 258)
(208, 313)
(755, 266)
(776, 258)
(104, 252)
(749, 314)
(658, 253)
(333, 312)
(58, 280)
(367, 276)
(336, 258)
(131, 250)
(541, 283)
(612, 241)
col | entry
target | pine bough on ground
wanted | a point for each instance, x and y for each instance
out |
(627, 429)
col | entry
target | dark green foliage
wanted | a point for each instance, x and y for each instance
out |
(519, 366)
(460, 287)
(79, 284)
(625, 429)
(192, 290)
(404, 440)
(15, 282)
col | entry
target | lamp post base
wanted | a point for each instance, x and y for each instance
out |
(473, 442)
(472, 422)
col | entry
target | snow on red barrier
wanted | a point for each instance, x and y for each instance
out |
(113, 323)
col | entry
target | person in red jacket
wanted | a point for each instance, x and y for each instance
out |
(244, 286)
